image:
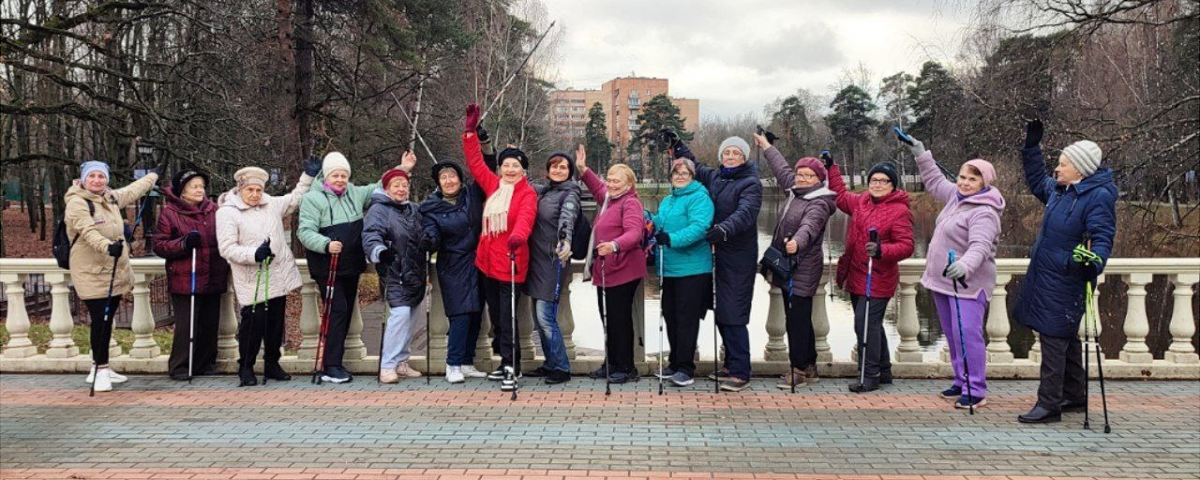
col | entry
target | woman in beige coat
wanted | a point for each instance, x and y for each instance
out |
(94, 224)
(249, 232)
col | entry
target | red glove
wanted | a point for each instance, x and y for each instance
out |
(514, 242)
(472, 118)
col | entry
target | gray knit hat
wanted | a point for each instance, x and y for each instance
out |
(735, 142)
(1085, 155)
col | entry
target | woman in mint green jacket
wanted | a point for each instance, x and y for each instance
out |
(682, 220)
(331, 223)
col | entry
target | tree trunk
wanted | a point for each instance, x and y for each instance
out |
(304, 74)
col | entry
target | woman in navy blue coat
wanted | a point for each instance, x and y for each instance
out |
(1080, 209)
(737, 195)
(452, 219)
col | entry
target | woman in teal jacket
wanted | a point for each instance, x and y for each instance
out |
(682, 220)
(331, 223)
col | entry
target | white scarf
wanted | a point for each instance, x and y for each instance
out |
(495, 210)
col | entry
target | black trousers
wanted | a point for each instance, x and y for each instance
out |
(683, 313)
(498, 294)
(878, 358)
(208, 321)
(617, 305)
(345, 293)
(261, 324)
(802, 343)
(102, 326)
(1062, 375)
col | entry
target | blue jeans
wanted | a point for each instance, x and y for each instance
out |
(464, 333)
(553, 347)
(396, 337)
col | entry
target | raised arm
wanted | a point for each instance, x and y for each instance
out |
(287, 204)
(131, 193)
(595, 185)
(935, 182)
(785, 176)
(846, 200)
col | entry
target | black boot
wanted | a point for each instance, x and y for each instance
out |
(868, 385)
(246, 376)
(1040, 415)
(275, 372)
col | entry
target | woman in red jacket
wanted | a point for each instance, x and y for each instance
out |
(188, 224)
(508, 216)
(883, 209)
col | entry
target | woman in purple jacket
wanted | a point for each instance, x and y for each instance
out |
(969, 225)
(617, 241)
(188, 224)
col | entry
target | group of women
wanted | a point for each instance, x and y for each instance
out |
(503, 236)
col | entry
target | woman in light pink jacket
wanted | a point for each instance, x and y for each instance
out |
(968, 226)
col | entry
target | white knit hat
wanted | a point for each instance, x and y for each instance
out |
(1085, 155)
(334, 161)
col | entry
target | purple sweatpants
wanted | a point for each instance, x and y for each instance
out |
(972, 322)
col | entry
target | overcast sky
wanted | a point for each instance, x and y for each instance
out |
(737, 56)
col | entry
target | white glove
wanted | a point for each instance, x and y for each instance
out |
(564, 252)
(956, 270)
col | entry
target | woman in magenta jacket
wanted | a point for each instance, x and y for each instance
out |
(884, 209)
(969, 225)
(621, 263)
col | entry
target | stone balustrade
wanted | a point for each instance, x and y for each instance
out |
(1134, 361)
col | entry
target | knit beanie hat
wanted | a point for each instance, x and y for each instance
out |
(1085, 155)
(687, 163)
(985, 169)
(566, 157)
(513, 153)
(333, 162)
(886, 168)
(735, 142)
(814, 165)
(436, 170)
(184, 176)
(92, 166)
(392, 174)
(250, 176)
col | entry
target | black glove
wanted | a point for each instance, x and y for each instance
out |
(312, 166)
(427, 245)
(115, 248)
(482, 133)
(716, 234)
(663, 239)
(873, 250)
(263, 252)
(770, 137)
(387, 256)
(1033, 133)
(828, 158)
(669, 137)
(191, 241)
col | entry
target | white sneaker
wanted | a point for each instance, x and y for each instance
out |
(469, 371)
(113, 376)
(103, 381)
(454, 374)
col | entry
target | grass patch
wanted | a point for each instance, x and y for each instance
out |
(41, 335)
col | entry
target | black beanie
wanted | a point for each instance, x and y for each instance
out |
(886, 168)
(513, 153)
(436, 171)
(570, 163)
(184, 176)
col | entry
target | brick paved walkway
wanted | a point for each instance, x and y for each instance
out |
(152, 427)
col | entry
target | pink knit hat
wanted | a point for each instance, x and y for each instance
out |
(985, 168)
(815, 165)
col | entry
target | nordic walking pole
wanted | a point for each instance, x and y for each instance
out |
(962, 342)
(192, 319)
(516, 347)
(1086, 256)
(788, 303)
(662, 320)
(716, 350)
(382, 333)
(107, 303)
(428, 307)
(604, 324)
(327, 309)
(266, 307)
(513, 76)
(862, 345)
(249, 323)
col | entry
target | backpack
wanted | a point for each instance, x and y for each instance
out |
(581, 236)
(62, 244)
